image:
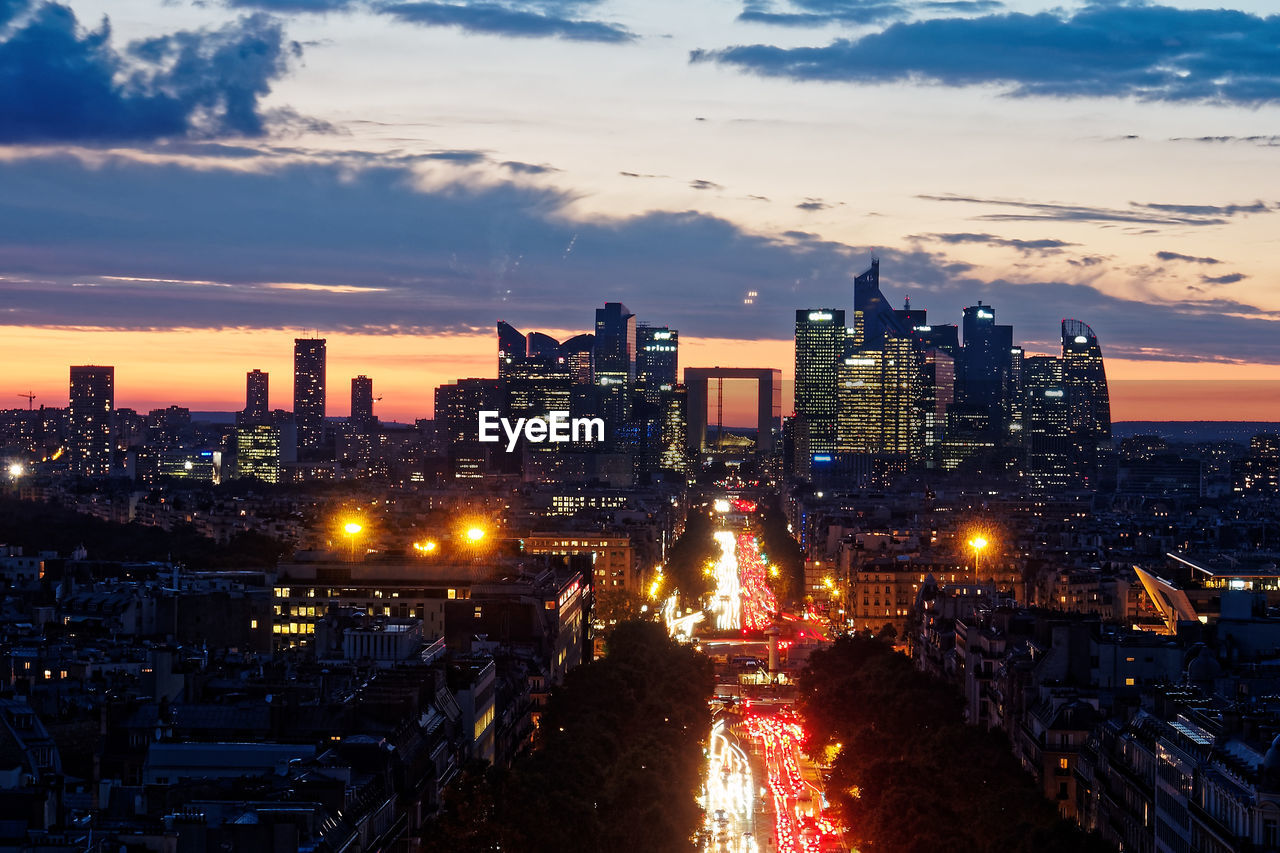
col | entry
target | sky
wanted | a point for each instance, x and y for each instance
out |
(187, 186)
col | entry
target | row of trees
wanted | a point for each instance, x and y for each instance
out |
(617, 766)
(907, 775)
(782, 550)
(46, 526)
(688, 557)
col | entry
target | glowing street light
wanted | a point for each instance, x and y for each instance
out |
(474, 534)
(427, 547)
(977, 543)
(352, 529)
(16, 470)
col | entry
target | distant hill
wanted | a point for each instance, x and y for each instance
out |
(1237, 431)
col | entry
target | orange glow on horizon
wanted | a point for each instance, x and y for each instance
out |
(204, 370)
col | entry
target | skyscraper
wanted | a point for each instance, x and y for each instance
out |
(511, 346)
(986, 366)
(615, 364)
(309, 393)
(872, 314)
(362, 402)
(657, 359)
(91, 420)
(1084, 377)
(256, 401)
(820, 343)
(879, 412)
(1045, 424)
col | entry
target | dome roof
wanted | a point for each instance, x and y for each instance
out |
(1204, 667)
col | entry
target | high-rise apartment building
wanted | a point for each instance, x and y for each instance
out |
(820, 344)
(309, 393)
(362, 402)
(257, 406)
(91, 420)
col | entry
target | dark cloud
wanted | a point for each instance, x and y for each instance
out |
(1230, 278)
(1043, 246)
(350, 245)
(700, 184)
(528, 168)
(529, 20)
(320, 6)
(811, 13)
(812, 204)
(1174, 256)
(1137, 213)
(61, 83)
(1148, 52)
(1263, 141)
(970, 7)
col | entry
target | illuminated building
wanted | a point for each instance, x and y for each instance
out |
(309, 393)
(91, 420)
(1259, 471)
(511, 346)
(612, 558)
(820, 342)
(984, 375)
(579, 357)
(1045, 424)
(936, 396)
(256, 405)
(673, 432)
(872, 314)
(1084, 377)
(615, 363)
(362, 402)
(657, 359)
(258, 452)
(186, 464)
(878, 392)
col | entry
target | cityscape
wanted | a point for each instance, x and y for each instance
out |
(572, 426)
(279, 630)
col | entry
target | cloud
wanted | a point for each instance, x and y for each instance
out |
(700, 184)
(1106, 49)
(1261, 141)
(529, 20)
(319, 6)
(353, 245)
(811, 13)
(1136, 213)
(970, 7)
(1230, 278)
(61, 84)
(812, 205)
(1174, 256)
(1045, 246)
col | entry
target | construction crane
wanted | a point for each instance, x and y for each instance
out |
(30, 398)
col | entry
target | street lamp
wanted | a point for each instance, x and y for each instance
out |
(352, 529)
(474, 534)
(977, 543)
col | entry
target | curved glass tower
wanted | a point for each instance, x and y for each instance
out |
(1084, 378)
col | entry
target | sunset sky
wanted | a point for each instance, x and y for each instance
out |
(187, 186)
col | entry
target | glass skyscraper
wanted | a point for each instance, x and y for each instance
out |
(820, 344)
(309, 392)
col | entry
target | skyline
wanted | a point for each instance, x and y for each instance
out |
(392, 177)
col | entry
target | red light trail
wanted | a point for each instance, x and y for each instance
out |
(799, 824)
(759, 605)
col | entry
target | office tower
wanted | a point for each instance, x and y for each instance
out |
(795, 446)
(1014, 394)
(615, 344)
(91, 419)
(615, 363)
(536, 386)
(945, 338)
(878, 401)
(937, 394)
(579, 357)
(309, 393)
(674, 432)
(539, 345)
(258, 452)
(1045, 424)
(511, 346)
(657, 359)
(872, 314)
(457, 419)
(1084, 377)
(362, 402)
(985, 365)
(256, 405)
(820, 343)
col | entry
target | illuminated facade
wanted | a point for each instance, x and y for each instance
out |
(309, 358)
(612, 557)
(92, 420)
(258, 452)
(878, 395)
(1084, 378)
(1046, 422)
(256, 402)
(820, 342)
(657, 360)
